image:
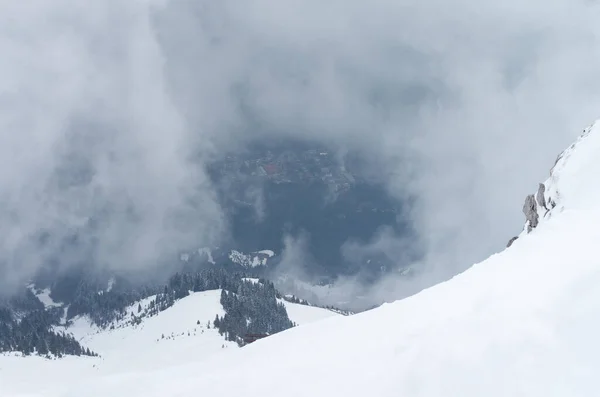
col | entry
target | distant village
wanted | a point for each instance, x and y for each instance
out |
(289, 166)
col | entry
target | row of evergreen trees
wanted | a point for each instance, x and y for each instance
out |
(296, 300)
(181, 284)
(252, 308)
(107, 307)
(29, 331)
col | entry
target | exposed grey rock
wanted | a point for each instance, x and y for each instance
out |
(541, 200)
(530, 211)
(511, 241)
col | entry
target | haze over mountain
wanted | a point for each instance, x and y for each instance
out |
(112, 113)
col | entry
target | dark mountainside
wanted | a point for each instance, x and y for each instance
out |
(306, 192)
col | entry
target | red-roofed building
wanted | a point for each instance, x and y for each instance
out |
(270, 169)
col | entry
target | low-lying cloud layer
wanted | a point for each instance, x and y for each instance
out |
(111, 109)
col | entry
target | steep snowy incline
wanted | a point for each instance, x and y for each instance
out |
(176, 335)
(569, 183)
(525, 322)
(575, 171)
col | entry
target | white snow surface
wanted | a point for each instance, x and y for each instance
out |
(573, 176)
(269, 253)
(303, 314)
(182, 335)
(124, 349)
(44, 297)
(524, 322)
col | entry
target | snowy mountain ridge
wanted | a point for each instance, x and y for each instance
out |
(574, 165)
(516, 324)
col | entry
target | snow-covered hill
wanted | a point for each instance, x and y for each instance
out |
(175, 335)
(179, 335)
(522, 323)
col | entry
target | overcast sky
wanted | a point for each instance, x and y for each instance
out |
(463, 105)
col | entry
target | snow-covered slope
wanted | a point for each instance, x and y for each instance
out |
(127, 347)
(569, 184)
(303, 314)
(179, 335)
(522, 323)
(44, 297)
(254, 259)
(176, 335)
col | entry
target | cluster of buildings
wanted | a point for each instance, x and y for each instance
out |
(291, 166)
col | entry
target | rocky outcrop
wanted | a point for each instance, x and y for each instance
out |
(537, 206)
(549, 198)
(540, 198)
(530, 210)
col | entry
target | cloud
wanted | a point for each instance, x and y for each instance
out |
(91, 139)
(460, 106)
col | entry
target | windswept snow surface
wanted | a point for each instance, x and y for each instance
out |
(576, 172)
(303, 314)
(525, 322)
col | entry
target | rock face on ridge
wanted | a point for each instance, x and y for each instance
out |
(548, 198)
(530, 209)
(511, 241)
(540, 198)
